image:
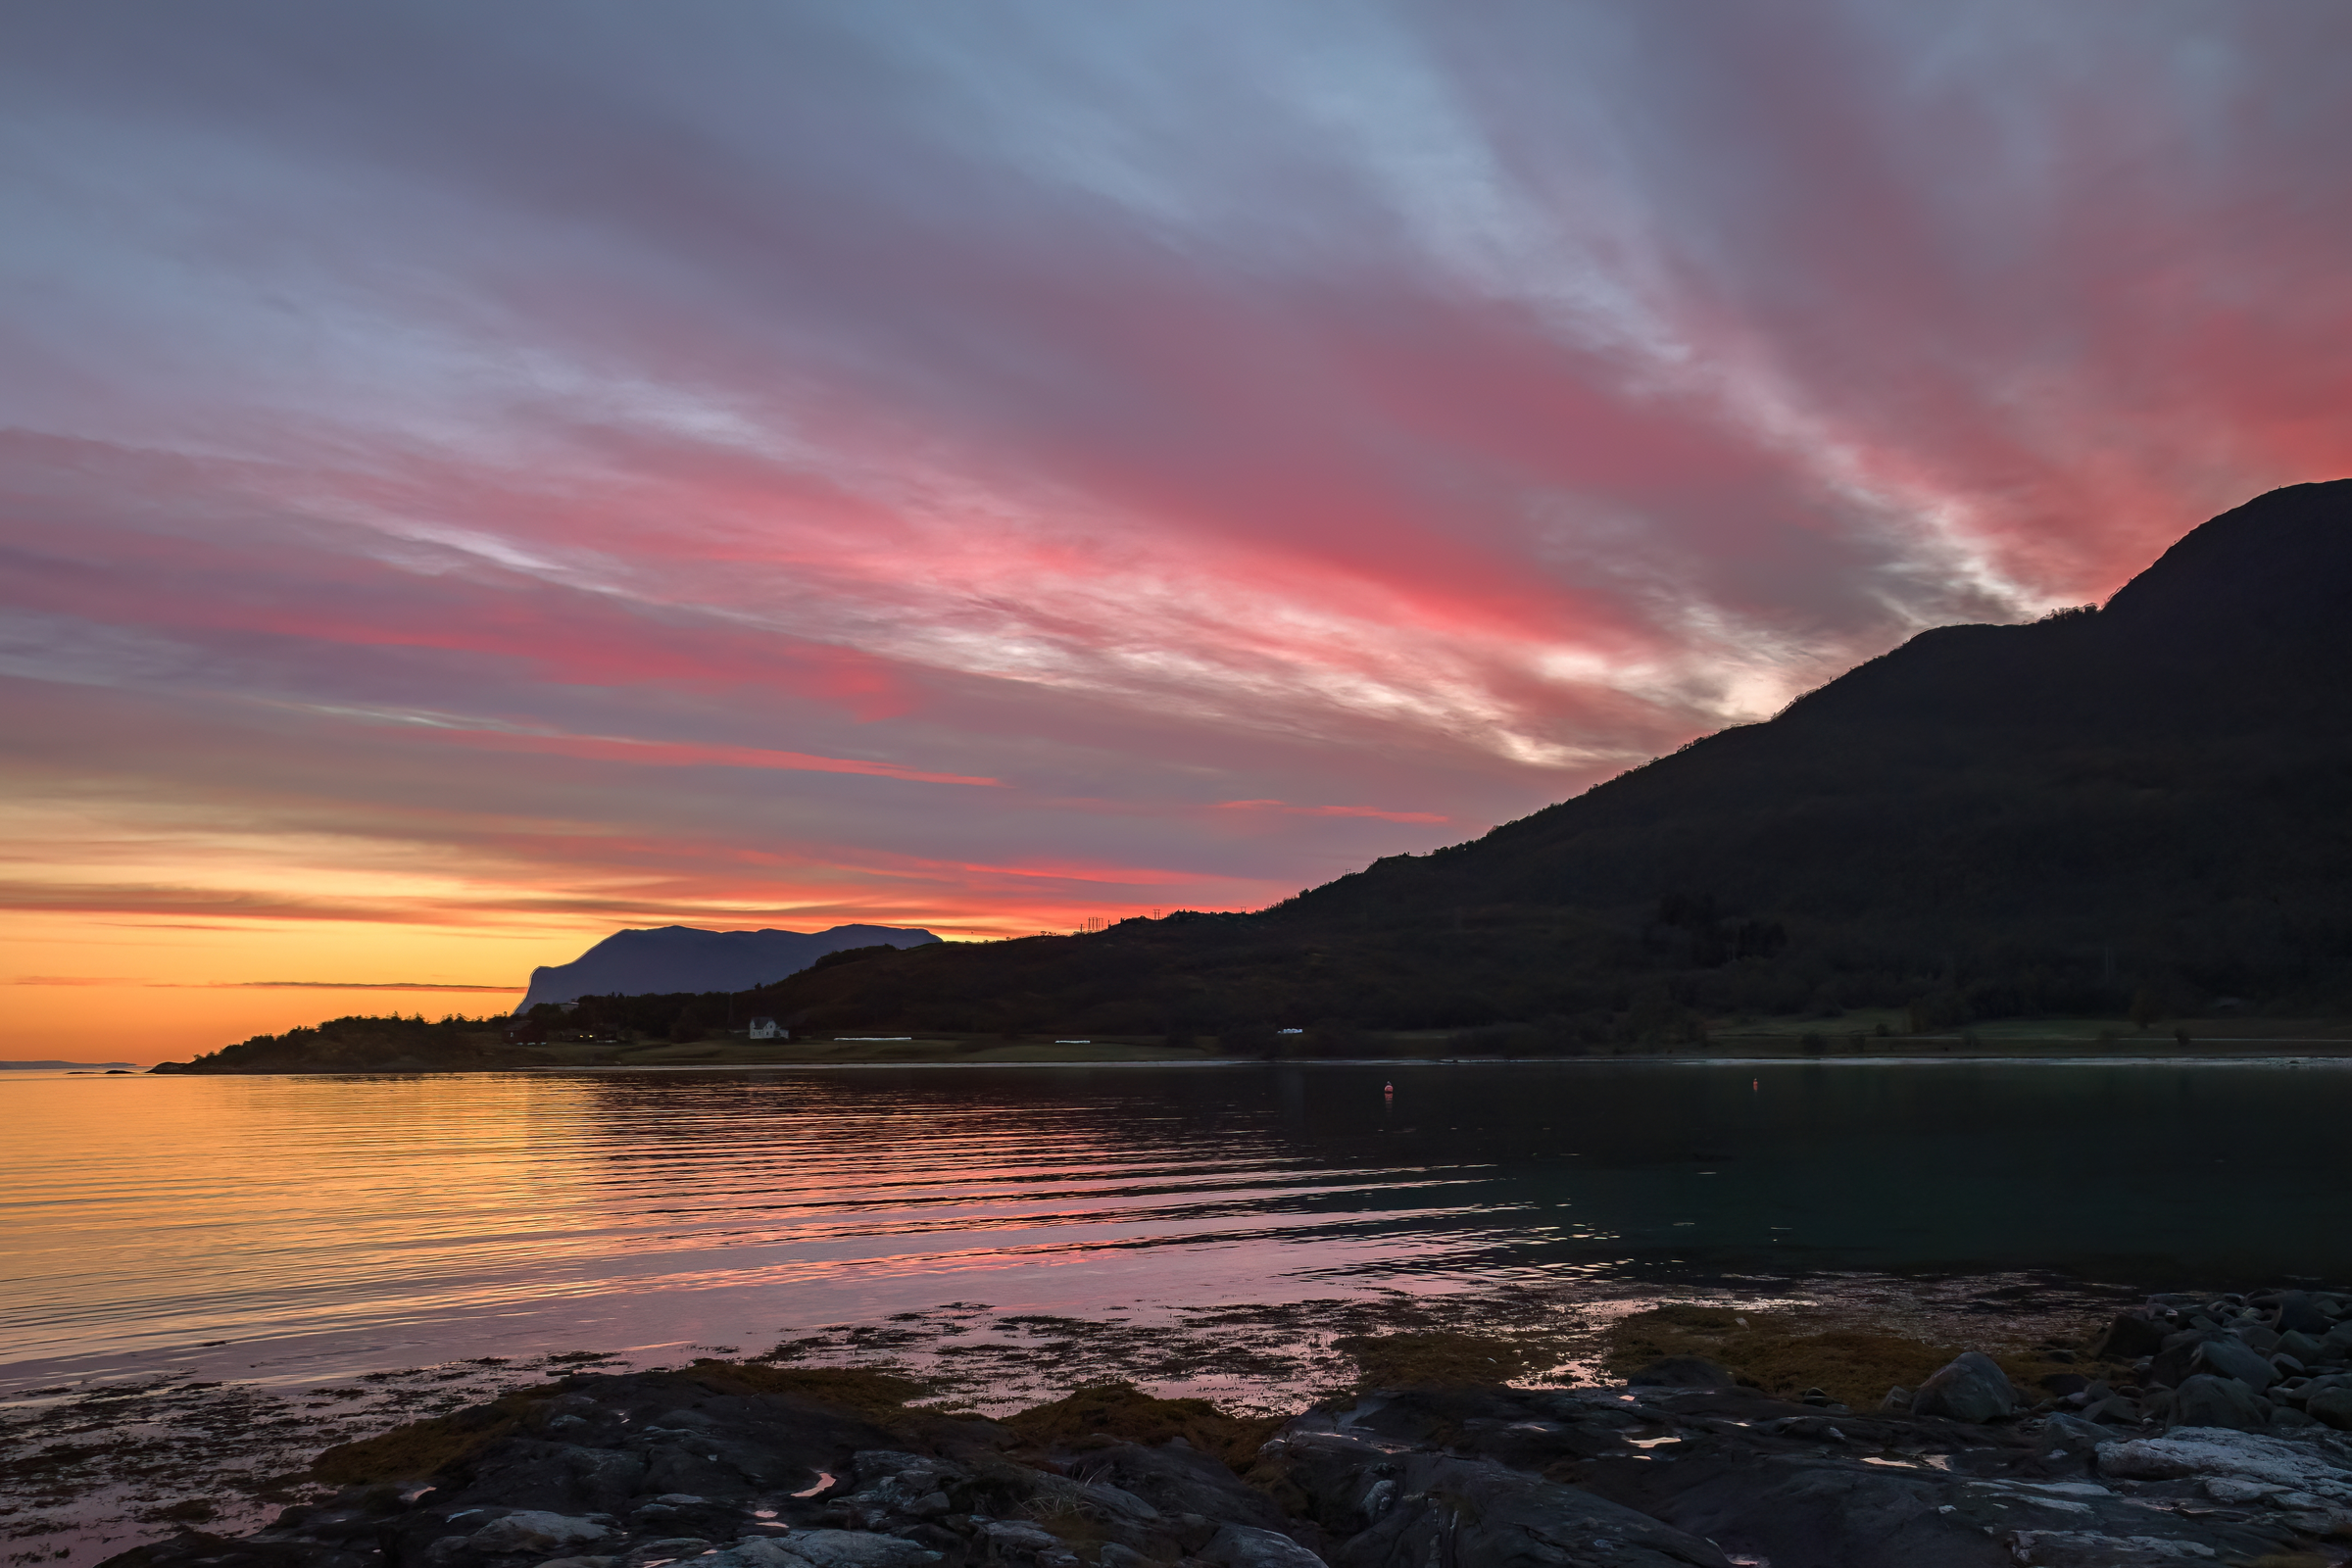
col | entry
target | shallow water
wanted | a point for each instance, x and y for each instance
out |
(317, 1227)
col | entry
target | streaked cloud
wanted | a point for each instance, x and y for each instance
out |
(347, 985)
(517, 471)
(1329, 810)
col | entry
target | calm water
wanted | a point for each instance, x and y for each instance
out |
(321, 1226)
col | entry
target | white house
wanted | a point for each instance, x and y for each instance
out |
(766, 1029)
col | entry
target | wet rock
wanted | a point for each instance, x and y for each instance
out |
(1970, 1387)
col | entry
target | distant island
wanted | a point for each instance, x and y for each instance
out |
(76, 1067)
(2119, 827)
(682, 958)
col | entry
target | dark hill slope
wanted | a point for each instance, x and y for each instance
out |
(2153, 800)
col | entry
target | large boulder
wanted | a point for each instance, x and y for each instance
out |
(2205, 1400)
(1972, 1387)
(2299, 1314)
(2256, 1337)
(2130, 1336)
(2332, 1406)
(2231, 1357)
(2177, 1360)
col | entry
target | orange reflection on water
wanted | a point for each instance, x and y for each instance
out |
(153, 1213)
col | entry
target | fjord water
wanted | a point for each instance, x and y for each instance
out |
(300, 1227)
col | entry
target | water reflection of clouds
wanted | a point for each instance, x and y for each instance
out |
(439, 1213)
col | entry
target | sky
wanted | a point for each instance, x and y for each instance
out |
(476, 477)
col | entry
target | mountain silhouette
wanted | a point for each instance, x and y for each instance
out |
(683, 958)
(2144, 806)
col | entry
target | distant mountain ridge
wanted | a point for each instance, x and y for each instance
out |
(686, 958)
(2142, 807)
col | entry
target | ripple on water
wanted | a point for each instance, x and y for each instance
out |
(322, 1226)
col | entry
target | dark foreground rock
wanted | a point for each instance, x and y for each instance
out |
(728, 1466)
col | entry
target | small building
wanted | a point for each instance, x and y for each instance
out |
(767, 1029)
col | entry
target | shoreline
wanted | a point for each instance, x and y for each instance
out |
(394, 1045)
(2339, 1056)
(1694, 1399)
(244, 1441)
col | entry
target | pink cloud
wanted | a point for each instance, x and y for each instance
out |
(664, 753)
(1329, 810)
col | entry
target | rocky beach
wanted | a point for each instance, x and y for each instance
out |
(2191, 1428)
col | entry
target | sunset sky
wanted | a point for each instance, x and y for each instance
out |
(474, 477)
